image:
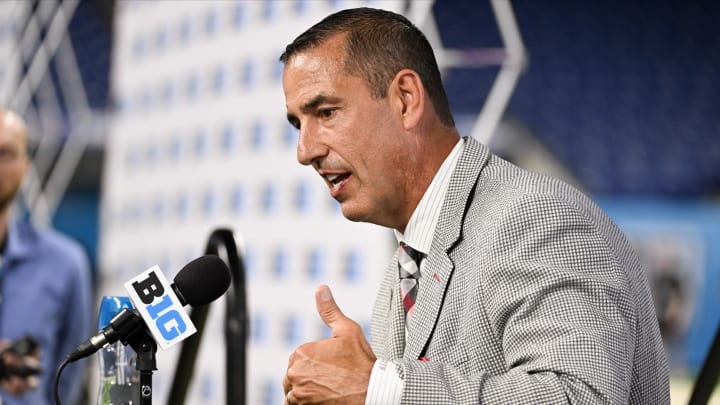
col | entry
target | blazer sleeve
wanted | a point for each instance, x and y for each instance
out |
(555, 292)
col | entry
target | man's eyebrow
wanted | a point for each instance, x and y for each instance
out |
(311, 106)
(316, 101)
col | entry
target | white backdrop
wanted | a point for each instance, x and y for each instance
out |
(200, 141)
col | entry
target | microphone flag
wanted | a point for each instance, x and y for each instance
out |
(153, 297)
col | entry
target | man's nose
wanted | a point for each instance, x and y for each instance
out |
(309, 147)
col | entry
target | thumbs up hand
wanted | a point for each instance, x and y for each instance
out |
(330, 371)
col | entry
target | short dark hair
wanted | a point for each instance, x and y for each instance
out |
(378, 44)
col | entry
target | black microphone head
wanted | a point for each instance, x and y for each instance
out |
(202, 281)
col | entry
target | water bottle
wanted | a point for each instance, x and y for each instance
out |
(119, 379)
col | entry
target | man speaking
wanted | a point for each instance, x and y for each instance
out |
(508, 287)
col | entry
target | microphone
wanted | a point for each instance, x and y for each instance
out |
(198, 283)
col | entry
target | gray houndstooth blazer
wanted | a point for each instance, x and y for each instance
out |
(530, 294)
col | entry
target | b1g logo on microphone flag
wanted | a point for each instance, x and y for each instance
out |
(153, 296)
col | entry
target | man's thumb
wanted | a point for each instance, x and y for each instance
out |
(328, 309)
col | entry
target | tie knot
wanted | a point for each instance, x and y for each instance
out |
(408, 261)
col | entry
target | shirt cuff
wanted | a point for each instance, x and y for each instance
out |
(386, 386)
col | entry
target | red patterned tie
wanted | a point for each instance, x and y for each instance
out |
(408, 264)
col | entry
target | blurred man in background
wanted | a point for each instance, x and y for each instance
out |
(509, 287)
(45, 290)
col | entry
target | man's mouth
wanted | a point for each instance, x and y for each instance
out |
(336, 181)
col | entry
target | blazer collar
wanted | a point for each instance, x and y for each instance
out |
(462, 184)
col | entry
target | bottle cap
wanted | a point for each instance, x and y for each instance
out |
(111, 306)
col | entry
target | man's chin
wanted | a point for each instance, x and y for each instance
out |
(352, 213)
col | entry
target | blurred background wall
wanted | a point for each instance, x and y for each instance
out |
(155, 122)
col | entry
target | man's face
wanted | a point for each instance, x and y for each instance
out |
(13, 158)
(354, 141)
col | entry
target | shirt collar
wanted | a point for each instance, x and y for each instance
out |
(421, 227)
(19, 241)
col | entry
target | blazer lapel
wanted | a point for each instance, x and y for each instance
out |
(438, 267)
(388, 327)
(396, 342)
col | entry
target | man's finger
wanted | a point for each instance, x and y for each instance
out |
(328, 310)
(32, 382)
(288, 399)
(286, 385)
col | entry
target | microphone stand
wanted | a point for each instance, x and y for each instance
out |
(146, 363)
(146, 349)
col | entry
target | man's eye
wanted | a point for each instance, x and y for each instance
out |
(326, 112)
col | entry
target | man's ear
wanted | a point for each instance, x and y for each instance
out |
(408, 92)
